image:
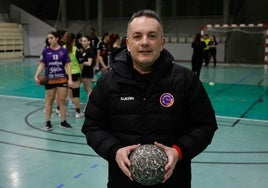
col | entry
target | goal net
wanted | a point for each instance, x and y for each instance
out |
(243, 43)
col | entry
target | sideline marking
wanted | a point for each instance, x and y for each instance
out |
(77, 175)
(60, 186)
(94, 166)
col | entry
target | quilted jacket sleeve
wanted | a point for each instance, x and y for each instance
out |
(201, 120)
(96, 120)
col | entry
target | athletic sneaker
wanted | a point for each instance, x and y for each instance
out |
(79, 115)
(48, 126)
(65, 125)
(58, 112)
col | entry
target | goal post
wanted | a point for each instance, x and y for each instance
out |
(243, 43)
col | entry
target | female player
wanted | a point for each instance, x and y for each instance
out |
(74, 53)
(56, 61)
(88, 60)
(213, 44)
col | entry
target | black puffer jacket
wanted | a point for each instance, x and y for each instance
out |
(126, 108)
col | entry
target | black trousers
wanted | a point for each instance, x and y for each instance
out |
(181, 178)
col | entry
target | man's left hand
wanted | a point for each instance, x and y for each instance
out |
(173, 158)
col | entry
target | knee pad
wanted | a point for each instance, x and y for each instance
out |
(76, 92)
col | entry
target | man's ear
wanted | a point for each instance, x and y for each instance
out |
(127, 43)
(163, 42)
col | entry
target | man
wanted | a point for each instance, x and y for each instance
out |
(147, 99)
(94, 40)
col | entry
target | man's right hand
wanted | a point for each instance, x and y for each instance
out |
(122, 159)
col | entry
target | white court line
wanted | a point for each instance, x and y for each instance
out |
(19, 97)
(245, 119)
(28, 98)
(223, 117)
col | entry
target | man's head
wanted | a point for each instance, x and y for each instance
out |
(145, 39)
(92, 32)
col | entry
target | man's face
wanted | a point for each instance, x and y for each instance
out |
(145, 42)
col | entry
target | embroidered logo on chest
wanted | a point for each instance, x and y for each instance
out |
(166, 100)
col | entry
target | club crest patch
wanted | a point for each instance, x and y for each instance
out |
(166, 100)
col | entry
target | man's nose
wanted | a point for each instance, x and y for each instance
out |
(145, 41)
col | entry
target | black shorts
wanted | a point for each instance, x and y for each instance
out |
(87, 72)
(76, 77)
(52, 86)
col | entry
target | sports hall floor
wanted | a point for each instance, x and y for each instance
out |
(31, 157)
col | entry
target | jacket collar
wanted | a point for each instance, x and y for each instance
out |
(123, 64)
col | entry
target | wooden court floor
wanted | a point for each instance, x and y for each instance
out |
(31, 157)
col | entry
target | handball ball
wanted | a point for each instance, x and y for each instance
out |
(148, 164)
(43, 79)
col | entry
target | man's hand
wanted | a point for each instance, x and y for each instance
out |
(173, 158)
(122, 159)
